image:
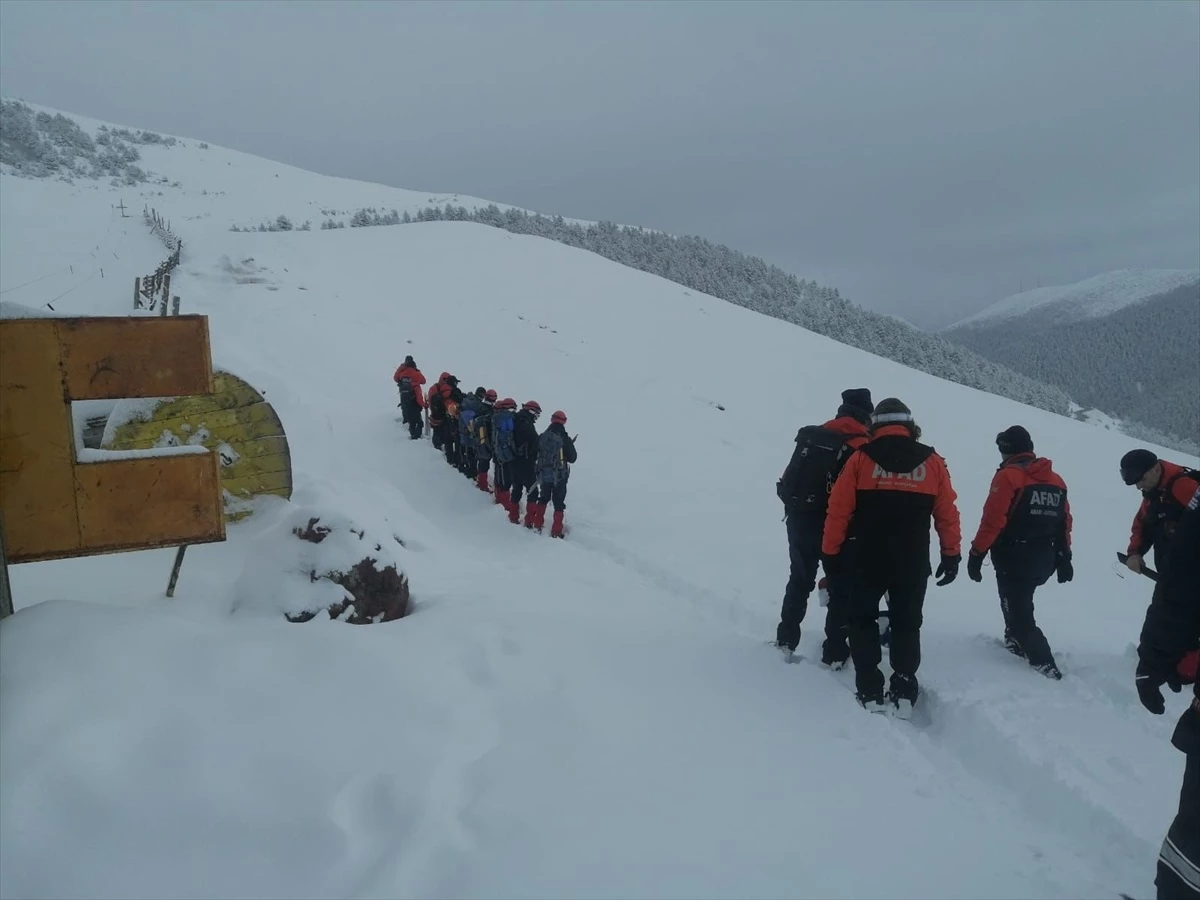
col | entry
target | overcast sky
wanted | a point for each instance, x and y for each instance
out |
(924, 158)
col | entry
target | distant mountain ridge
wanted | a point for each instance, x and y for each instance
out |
(1100, 295)
(1110, 345)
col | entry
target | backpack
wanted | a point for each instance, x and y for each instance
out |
(550, 462)
(451, 409)
(437, 403)
(504, 445)
(815, 465)
(466, 415)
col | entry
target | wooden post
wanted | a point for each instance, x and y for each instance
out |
(175, 570)
(137, 293)
(6, 601)
(162, 309)
(166, 288)
(175, 305)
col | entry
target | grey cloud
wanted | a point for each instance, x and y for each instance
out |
(926, 158)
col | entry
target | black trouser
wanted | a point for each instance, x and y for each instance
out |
(1016, 603)
(804, 552)
(523, 477)
(905, 602)
(1179, 861)
(837, 625)
(466, 456)
(504, 476)
(411, 413)
(436, 431)
(450, 441)
(550, 492)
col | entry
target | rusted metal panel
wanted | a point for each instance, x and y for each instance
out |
(113, 357)
(37, 490)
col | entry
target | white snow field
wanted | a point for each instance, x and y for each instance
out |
(595, 717)
(1091, 298)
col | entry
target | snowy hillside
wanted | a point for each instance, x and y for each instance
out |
(594, 717)
(1093, 297)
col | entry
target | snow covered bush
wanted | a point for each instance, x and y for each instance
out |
(307, 561)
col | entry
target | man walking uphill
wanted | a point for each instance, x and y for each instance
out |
(1166, 489)
(884, 500)
(1171, 630)
(1026, 526)
(408, 380)
(820, 453)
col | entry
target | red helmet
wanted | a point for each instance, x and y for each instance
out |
(533, 406)
(507, 403)
(443, 377)
(491, 395)
(559, 417)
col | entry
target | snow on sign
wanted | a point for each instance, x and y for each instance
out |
(234, 420)
(56, 502)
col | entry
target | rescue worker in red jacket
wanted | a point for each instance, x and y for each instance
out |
(884, 499)
(408, 380)
(1026, 526)
(1166, 489)
(435, 408)
(804, 514)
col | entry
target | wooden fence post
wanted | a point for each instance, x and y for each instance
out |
(175, 569)
(137, 293)
(6, 600)
(175, 305)
(166, 288)
(162, 310)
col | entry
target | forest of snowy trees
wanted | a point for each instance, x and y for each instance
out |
(750, 282)
(40, 145)
(1141, 363)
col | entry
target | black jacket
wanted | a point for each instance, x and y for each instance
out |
(525, 439)
(1172, 625)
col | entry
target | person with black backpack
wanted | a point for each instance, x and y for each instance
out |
(555, 455)
(408, 380)
(524, 466)
(821, 451)
(1026, 526)
(504, 449)
(481, 433)
(467, 410)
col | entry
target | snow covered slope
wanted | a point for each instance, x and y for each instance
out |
(1093, 297)
(597, 717)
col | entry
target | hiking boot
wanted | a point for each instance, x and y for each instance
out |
(1013, 646)
(786, 650)
(902, 695)
(531, 515)
(514, 511)
(872, 702)
(502, 497)
(481, 481)
(1050, 670)
(835, 655)
(556, 526)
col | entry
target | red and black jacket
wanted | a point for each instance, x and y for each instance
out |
(1161, 509)
(416, 379)
(887, 496)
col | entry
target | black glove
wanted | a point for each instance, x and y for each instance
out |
(1065, 570)
(948, 568)
(975, 566)
(1149, 688)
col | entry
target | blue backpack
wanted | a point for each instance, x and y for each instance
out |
(550, 463)
(504, 444)
(466, 414)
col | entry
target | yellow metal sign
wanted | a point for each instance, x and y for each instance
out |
(53, 505)
(235, 421)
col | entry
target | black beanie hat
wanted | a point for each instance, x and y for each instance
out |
(1014, 440)
(1135, 464)
(859, 399)
(408, 361)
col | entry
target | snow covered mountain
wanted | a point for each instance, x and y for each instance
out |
(1125, 343)
(596, 717)
(1100, 295)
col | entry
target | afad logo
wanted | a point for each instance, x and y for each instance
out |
(916, 476)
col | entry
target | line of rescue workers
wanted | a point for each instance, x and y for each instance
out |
(861, 493)
(481, 431)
